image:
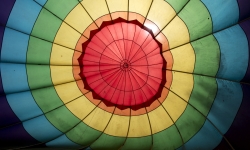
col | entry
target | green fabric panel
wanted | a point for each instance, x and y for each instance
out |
(108, 142)
(203, 94)
(201, 98)
(144, 143)
(46, 26)
(38, 51)
(167, 139)
(177, 4)
(39, 76)
(190, 123)
(83, 135)
(62, 119)
(61, 9)
(198, 25)
(207, 56)
(46, 98)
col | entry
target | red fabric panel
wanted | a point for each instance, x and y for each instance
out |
(122, 64)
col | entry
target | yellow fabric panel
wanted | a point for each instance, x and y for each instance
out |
(61, 74)
(174, 105)
(67, 36)
(139, 126)
(161, 13)
(118, 126)
(117, 5)
(139, 6)
(159, 120)
(184, 58)
(98, 119)
(61, 55)
(96, 8)
(76, 107)
(78, 18)
(68, 91)
(182, 84)
(176, 32)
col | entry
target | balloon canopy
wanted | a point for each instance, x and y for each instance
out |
(125, 74)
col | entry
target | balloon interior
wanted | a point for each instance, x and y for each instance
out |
(124, 74)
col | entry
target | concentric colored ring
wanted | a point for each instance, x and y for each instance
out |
(202, 102)
(134, 110)
(121, 68)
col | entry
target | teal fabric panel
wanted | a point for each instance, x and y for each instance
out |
(234, 53)
(224, 13)
(63, 142)
(14, 46)
(207, 135)
(24, 15)
(226, 104)
(222, 114)
(49, 132)
(24, 105)
(14, 78)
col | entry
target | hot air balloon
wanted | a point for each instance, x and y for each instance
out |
(125, 74)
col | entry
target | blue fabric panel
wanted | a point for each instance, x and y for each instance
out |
(63, 142)
(14, 77)
(14, 46)
(234, 53)
(223, 13)
(35, 125)
(5, 10)
(23, 104)
(7, 116)
(207, 135)
(226, 104)
(23, 15)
